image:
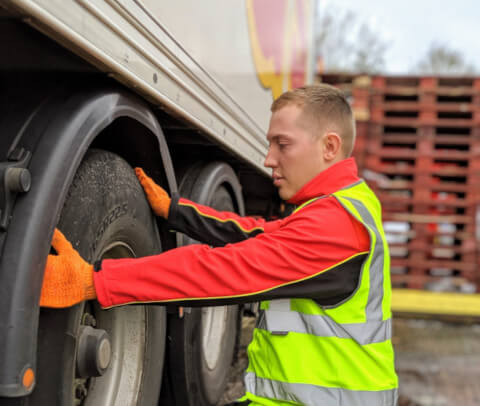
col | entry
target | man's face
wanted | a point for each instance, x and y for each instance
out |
(295, 154)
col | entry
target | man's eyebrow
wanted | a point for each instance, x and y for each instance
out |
(276, 137)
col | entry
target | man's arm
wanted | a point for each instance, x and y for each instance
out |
(316, 254)
(201, 222)
(316, 259)
(213, 227)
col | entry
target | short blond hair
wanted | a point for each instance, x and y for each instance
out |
(328, 109)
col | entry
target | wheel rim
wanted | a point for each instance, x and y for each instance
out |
(127, 329)
(214, 323)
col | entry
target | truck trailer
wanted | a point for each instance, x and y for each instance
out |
(90, 89)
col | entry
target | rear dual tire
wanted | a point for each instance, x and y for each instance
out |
(204, 341)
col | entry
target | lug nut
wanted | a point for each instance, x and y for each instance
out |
(94, 352)
(80, 392)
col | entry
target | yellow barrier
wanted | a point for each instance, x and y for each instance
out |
(442, 303)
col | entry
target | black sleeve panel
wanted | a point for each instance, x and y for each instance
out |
(206, 229)
(327, 289)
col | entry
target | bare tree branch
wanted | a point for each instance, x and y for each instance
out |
(442, 60)
(346, 45)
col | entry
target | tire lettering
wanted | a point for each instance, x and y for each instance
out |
(117, 212)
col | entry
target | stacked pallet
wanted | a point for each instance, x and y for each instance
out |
(418, 146)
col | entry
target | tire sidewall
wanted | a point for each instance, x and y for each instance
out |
(105, 204)
(205, 386)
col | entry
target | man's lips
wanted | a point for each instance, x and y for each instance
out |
(277, 180)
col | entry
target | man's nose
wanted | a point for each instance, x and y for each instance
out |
(270, 160)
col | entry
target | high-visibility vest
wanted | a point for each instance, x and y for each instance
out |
(303, 353)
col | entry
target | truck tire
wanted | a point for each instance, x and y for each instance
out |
(203, 342)
(105, 215)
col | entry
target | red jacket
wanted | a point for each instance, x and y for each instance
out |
(315, 253)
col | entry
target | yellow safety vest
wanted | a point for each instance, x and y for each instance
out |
(303, 353)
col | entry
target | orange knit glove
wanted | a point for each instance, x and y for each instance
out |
(68, 279)
(156, 195)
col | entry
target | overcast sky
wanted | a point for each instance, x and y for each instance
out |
(409, 27)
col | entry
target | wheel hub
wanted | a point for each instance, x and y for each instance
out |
(214, 324)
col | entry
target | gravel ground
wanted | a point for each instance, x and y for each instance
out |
(438, 363)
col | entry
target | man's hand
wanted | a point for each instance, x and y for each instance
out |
(68, 279)
(157, 196)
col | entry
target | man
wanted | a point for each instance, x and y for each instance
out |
(322, 273)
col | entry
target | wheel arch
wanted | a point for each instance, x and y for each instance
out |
(58, 130)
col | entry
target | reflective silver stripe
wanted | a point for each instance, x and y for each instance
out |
(375, 294)
(358, 182)
(375, 331)
(313, 395)
(282, 305)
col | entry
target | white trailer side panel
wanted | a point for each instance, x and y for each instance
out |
(202, 59)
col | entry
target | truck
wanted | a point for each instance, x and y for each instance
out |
(89, 90)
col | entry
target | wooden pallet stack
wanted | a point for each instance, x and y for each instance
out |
(419, 149)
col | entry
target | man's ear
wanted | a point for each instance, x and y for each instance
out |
(332, 146)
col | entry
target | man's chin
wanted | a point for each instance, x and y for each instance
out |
(285, 194)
